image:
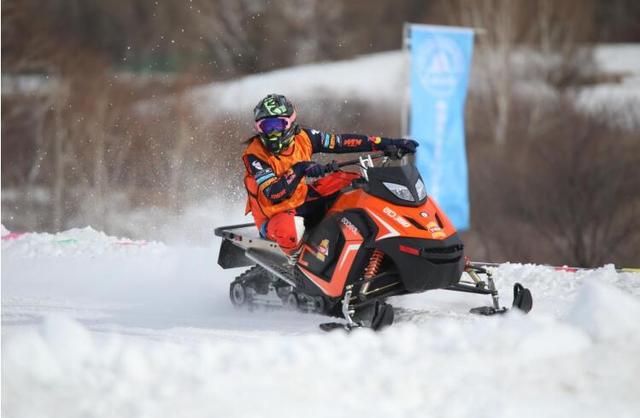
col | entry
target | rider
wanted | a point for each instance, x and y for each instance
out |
(278, 158)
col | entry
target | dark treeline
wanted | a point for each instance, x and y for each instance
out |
(225, 38)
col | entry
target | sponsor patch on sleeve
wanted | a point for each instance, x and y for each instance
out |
(325, 142)
(352, 142)
(264, 175)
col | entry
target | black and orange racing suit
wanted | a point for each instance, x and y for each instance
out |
(275, 182)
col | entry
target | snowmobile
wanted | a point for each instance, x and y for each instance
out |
(383, 236)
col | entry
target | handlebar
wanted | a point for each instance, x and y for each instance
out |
(391, 152)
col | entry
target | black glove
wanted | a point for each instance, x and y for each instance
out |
(407, 145)
(301, 167)
(331, 167)
(313, 169)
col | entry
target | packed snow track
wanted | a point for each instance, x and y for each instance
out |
(95, 326)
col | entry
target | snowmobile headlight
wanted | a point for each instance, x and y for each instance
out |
(400, 191)
(422, 191)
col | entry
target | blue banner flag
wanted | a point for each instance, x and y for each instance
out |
(440, 63)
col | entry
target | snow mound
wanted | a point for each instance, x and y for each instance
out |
(150, 332)
(605, 312)
(77, 242)
(409, 370)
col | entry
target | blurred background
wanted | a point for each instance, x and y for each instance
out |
(129, 116)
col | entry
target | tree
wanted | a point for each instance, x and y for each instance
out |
(552, 29)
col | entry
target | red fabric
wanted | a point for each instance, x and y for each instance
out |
(334, 182)
(282, 229)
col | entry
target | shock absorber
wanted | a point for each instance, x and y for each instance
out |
(374, 264)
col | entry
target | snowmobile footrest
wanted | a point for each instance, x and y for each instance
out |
(272, 264)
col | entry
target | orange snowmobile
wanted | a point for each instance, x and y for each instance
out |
(383, 236)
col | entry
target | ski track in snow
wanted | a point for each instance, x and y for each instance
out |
(95, 326)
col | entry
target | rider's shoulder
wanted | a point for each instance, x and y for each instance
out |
(311, 131)
(252, 145)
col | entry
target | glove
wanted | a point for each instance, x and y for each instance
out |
(331, 167)
(313, 169)
(407, 145)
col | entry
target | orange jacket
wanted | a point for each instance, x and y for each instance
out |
(275, 183)
(276, 166)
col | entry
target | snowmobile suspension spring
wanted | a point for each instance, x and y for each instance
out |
(374, 264)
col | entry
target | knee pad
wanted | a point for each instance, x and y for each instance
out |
(286, 230)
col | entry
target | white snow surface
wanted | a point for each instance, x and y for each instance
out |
(616, 102)
(378, 77)
(96, 326)
(383, 78)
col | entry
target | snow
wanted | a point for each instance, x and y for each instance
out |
(28, 84)
(598, 305)
(77, 242)
(616, 101)
(376, 78)
(382, 78)
(100, 326)
(95, 327)
(618, 58)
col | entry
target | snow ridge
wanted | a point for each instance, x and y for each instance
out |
(96, 328)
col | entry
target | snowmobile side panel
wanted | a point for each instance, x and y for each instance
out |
(368, 230)
(321, 249)
(353, 241)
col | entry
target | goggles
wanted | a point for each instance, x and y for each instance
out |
(274, 127)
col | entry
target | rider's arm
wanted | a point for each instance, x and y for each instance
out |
(325, 142)
(274, 188)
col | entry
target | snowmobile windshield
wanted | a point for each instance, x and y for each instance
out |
(401, 185)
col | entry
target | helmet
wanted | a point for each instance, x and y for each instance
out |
(276, 124)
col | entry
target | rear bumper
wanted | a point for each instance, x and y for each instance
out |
(432, 264)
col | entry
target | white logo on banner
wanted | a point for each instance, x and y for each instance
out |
(440, 66)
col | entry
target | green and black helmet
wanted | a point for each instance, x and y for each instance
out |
(276, 124)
